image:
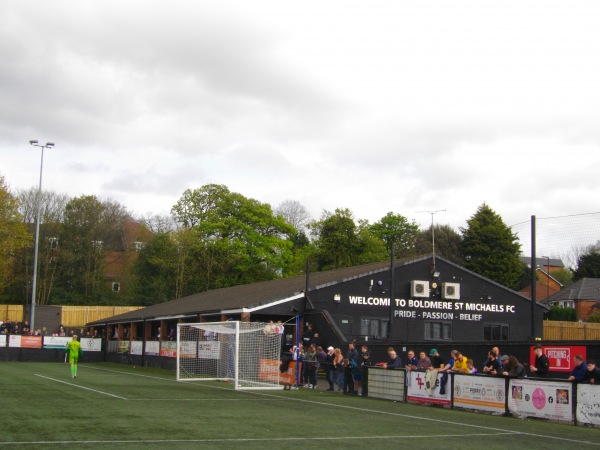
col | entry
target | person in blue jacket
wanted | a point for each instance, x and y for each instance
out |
(578, 373)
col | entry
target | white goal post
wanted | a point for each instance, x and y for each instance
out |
(245, 353)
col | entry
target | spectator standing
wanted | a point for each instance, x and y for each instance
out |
(364, 349)
(460, 363)
(592, 374)
(496, 351)
(352, 352)
(356, 375)
(394, 362)
(424, 362)
(365, 364)
(309, 336)
(339, 368)
(578, 372)
(541, 365)
(352, 355)
(436, 360)
(330, 372)
(471, 367)
(450, 366)
(514, 369)
(411, 361)
(310, 361)
(493, 366)
(504, 359)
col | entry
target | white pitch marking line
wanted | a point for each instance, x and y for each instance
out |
(447, 422)
(283, 439)
(79, 386)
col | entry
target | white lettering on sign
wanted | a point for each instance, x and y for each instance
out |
(429, 304)
(438, 315)
(409, 314)
(557, 354)
(371, 301)
(475, 317)
(414, 308)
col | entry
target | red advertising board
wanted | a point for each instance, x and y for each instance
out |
(560, 356)
(31, 341)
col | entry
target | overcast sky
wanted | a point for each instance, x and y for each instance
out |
(402, 106)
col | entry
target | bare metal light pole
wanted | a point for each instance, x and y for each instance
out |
(37, 236)
(432, 236)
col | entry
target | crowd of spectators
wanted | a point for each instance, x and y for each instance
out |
(346, 372)
(8, 327)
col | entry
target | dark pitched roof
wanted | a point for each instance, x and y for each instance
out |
(249, 296)
(583, 289)
(256, 296)
(543, 262)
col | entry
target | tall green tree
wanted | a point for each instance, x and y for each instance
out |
(237, 239)
(397, 230)
(156, 270)
(491, 249)
(588, 264)
(91, 228)
(336, 239)
(447, 243)
(14, 237)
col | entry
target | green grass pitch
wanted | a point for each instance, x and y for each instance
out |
(116, 406)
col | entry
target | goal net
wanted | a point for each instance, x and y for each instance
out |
(245, 353)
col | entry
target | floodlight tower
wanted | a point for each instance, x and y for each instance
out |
(37, 234)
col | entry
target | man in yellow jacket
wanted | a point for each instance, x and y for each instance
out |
(460, 363)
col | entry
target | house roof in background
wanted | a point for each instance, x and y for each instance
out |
(543, 261)
(583, 289)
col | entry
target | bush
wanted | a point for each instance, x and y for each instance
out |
(564, 314)
(594, 317)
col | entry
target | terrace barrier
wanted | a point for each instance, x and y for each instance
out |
(551, 399)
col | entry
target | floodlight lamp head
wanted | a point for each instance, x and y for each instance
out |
(34, 141)
(49, 144)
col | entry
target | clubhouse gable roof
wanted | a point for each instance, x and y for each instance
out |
(247, 297)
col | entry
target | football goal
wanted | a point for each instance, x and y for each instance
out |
(244, 353)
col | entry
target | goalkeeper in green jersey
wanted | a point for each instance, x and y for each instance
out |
(74, 349)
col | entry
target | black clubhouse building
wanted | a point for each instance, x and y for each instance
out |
(434, 303)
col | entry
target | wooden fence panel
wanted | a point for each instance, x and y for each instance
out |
(77, 316)
(14, 313)
(571, 331)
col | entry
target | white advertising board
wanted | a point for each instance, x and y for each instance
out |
(548, 400)
(136, 347)
(2, 340)
(91, 345)
(209, 349)
(417, 390)
(480, 393)
(56, 341)
(188, 349)
(588, 404)
(152, 347)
